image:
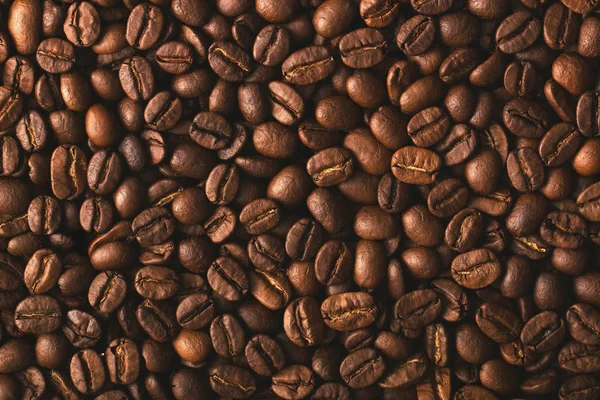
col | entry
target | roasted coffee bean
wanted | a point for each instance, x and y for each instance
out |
(231, 381)
(82, 24)
(415, 310)
(363, 48)
(464, 230)
(415, 166)
(517, 32)
(349, 311)
(260, 216)
(227, 336)
(38, 315)
(563, 229)
(308, 65)
(144, 26)
(264, 355)
(42, 271)
(82, 329)
(153, 226)
(302, 322)
(107, 291)
(447, 198)
(227, 278)
(271, 289)
(543, 332)
(525, 170)
(87, 371)
(476, 269)
(498, 323)
(577, 357)
(406, 374)
(354, 368)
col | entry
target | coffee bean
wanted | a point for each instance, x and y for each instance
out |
(144, 26)
(302, 322)
(210, 130)
(348, 311)
(231, 381)
(447, 198)
(543, 332)
(42, 271)
(55, 55)
(227, 336)
(357, 377)
(107, 291)
(563, 229)
(498, 323)
(415, 166)
(525, 170)
(264, 355)
(464, 230)
(82, 24)
(137, 79)
(577, 357)
(415, 310)
(416, 35)
(517, 32)
(81, 329)
(227, 278)
(577, 384)
(405, 374)
(38, 315)
(363, 48)
(87, 371)
(476, 269)
(260, 216)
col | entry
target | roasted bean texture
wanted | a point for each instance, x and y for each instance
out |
(299, 199)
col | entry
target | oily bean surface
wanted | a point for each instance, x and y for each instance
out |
(299, 199)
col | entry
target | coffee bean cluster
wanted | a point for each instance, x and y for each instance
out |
(299, 199)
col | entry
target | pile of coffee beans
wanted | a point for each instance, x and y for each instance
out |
(300, 199)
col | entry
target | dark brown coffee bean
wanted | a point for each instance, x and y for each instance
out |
(107, 291)
(227, 278)
(525, 118)
(38, 315)
(229, 61)
(302, 322)
(517, 32)
(353, 371)
(406, 374)
(82, 329)
(447, 198)
(68, 172)
(428, 126)
(231, 381)
(349, 311)
(42, 271)
(415, 166)
(416, 35)
(55, 55)
(87, 371)
(415, 310)
(308, 65)
(476, 269)
(543, 332)
(82, 24)
(144, 26)
(498, 323)
(260, 216)
(579, 385)
(264, 355)
(525, 170)
(577, 357)
(227, 336)
(137, 79)
(363, 48)
(12, 107)
(464, 230)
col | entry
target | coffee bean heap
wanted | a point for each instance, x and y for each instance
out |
(300, 199)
